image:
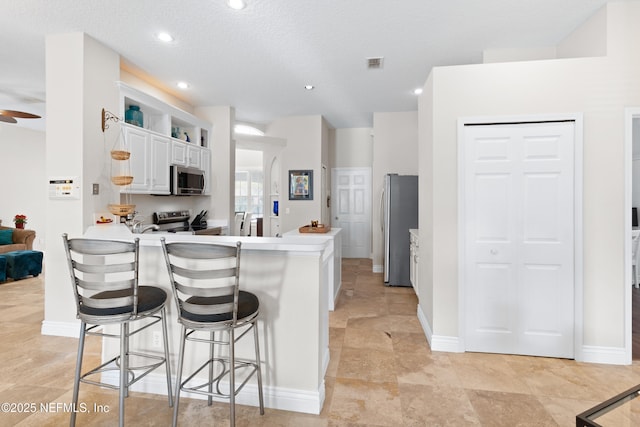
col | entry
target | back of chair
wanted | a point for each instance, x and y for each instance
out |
(205, 281)
(104, 275)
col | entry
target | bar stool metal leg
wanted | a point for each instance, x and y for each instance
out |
(232, 377)
(258, 369)
(176, 403)
(165, 336)
(76, 382)
(123, 371)
(212, 337)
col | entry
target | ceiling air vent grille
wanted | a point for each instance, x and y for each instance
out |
(375, 63)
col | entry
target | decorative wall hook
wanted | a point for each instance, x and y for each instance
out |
(106, 116)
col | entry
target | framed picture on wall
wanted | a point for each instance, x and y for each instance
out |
(300, 185)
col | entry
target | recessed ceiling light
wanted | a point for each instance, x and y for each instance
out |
(183, 85)
(417, 91)
(309, 87)
(237, 4)
(165, 37)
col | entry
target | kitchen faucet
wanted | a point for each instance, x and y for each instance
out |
(136, 226)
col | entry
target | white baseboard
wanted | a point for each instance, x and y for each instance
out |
(274, 397)
(439, 342)
(606, 355)
(378, 268)
(60, 329)
(425, 324)
(446, 343)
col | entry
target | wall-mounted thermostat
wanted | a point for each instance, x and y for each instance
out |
(64, 188)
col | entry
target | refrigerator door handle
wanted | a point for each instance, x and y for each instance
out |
(382, 211)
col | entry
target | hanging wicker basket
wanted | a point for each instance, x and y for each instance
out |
(120, 155)
(122, 210)
(122, 180)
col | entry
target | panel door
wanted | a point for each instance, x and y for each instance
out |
(160, 179)
(519, 238)
(140, 147)
(351, 210)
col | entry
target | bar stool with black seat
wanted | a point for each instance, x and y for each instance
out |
(211, 306)
(104, 275)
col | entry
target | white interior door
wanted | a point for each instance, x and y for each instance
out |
(351, 209)
(519, 238)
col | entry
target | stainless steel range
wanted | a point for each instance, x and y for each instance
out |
(178, 222)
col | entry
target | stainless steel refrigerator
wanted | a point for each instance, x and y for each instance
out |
(399, 214)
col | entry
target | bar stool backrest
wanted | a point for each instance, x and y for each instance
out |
(205, 281)
(104, 275)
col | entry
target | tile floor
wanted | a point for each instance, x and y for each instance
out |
(382, 373)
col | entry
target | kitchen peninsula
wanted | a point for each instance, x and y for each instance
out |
(291, 276)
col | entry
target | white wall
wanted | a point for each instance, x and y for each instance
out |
(223, 160)
(511, 55)
(590, 39)
(303, 152)
(395, 144)
(353, 148)
(23, 176)
(600, 88)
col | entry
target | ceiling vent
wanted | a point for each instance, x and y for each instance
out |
(375, 63)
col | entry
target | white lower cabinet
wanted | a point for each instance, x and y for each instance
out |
(149, 161)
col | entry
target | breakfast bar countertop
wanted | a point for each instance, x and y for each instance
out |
(289, 242)
(292, 276)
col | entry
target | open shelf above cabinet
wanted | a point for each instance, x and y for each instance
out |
(163, 118)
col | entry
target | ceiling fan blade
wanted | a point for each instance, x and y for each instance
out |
(7, 119)
(18, 114)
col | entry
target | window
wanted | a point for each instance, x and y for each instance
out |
(249, 192)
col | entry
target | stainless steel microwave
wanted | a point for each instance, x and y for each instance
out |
(186, 181)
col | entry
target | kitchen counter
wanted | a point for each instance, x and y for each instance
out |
(291, 276)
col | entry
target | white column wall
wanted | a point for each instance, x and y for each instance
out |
(223, 161)
(80, 82)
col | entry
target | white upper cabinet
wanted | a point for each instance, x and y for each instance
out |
(194, 157)
(164, 136)
(149, 161)
(178, 153)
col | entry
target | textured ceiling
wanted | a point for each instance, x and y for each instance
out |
(259, 59)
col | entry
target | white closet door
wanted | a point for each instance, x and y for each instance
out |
(519, 242)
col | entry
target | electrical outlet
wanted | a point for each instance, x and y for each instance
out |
(157, 339)
(96, 189)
